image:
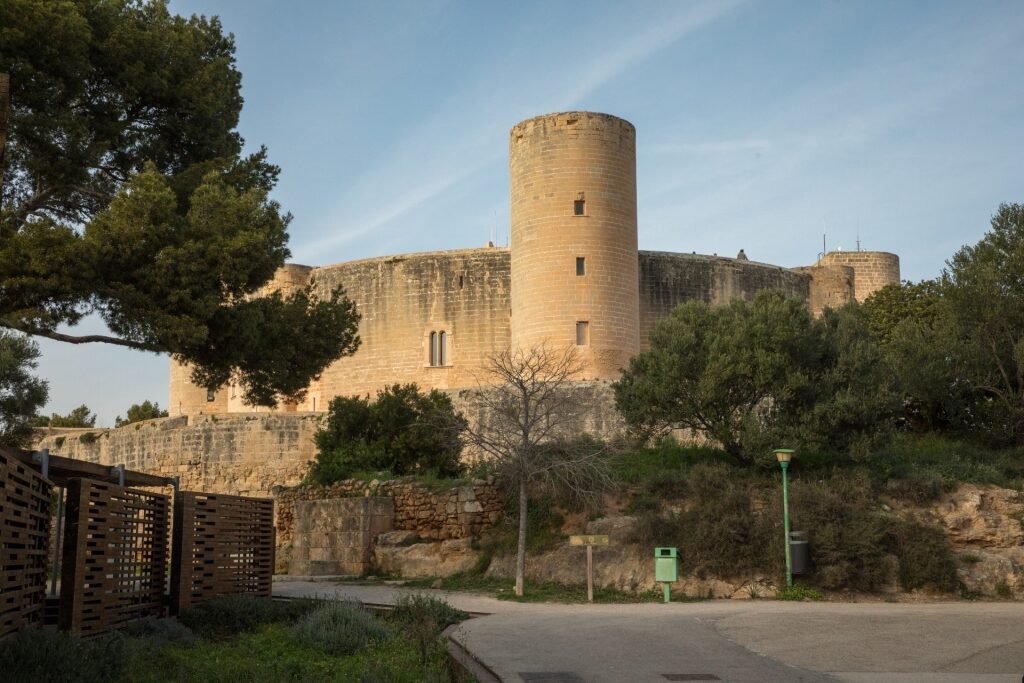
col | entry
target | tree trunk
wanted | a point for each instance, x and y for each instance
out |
(5, 107)
(521, 550)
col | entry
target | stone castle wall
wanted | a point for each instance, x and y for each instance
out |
(667, 280)
(831, 286)
(247, 454)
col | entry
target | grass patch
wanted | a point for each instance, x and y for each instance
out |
(504, 589)
(334, 642)
(800, 593)
(970, 558)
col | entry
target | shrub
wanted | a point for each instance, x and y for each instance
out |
(422, 619)
(402, 431)
(44, 657)
(339, 628)
(1003, 590)
(926, 559)
(970, 558)
(228, 615)
(161, 631)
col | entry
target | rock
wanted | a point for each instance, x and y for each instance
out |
(397, 538)
(436, 585)
(427, 559)
(617, 528)
(472, 506)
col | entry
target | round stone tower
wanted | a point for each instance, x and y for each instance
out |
(574, 238)
(872, 269)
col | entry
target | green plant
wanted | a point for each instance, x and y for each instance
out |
(402, 431)
(926, 559)
(1003, 590)
(59, 441)
(339, 628)
(970, 558)
(37, 655)
(642, 502)
(87, 438)
(228, 615)
(422, 619)
(800, 593)
(161, 631)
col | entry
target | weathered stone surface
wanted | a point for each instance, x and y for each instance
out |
(397, 538)
(442, 558)
(335, 536)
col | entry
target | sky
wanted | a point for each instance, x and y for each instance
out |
(761, 125)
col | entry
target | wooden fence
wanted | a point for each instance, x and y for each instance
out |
(114, 557)
(25, 500)
(222, 544)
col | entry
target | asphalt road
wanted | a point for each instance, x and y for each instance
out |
(729, 640)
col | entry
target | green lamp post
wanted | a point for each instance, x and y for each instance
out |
(784, 455)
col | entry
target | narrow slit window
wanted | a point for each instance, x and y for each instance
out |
(579, 207)
(210, 395)
(433, 348)
(582, 333)
(581, 265)
(442, 355)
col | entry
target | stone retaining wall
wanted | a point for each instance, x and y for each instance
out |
(336, 536)
(439, 515)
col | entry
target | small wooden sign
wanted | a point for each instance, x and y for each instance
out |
(588, 540)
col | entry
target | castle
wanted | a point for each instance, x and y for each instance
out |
(572, 275)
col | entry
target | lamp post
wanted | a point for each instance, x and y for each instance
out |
(784, 455)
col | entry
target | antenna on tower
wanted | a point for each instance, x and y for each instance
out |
(858, 240)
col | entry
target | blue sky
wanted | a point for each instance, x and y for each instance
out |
(760, 125)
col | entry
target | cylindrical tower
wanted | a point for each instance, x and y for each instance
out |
(574, 238)
(187, 398)
(873, 269)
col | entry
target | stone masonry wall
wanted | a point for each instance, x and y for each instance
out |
(336, 536)
(667, 280)
(246, 454)
(874, 269)
(460, 512)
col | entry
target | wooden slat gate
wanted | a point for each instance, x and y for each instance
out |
(114, 565)
(222, 544)
(25, 501)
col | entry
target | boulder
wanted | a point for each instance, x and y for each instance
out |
(426, 559)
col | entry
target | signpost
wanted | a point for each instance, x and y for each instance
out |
(589, 541)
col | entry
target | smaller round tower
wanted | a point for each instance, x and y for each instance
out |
(872, 269)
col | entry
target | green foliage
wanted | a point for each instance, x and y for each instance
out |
(754, 375)
(543, 528)
(402, 431)
(1003, 590)
(970, 558)
(126, 195)
(889, 306)
(21, 394)
(422, 618)
(46, 657)
(139, 412)
(798, 592)
(925, 558)
(339, 628)
(80, 417)
(228, 615)
(730, 524)
(87, 438)
(161, 631)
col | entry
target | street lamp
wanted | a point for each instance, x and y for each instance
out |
(784, 455)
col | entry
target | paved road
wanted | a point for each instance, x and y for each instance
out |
(732, 640)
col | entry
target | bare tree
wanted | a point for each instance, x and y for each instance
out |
(526, 417)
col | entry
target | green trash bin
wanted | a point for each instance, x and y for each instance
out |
(666, 565)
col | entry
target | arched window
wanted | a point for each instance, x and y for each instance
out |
(438, 349)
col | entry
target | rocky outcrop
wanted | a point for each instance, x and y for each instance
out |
(417, 560)
(986, 528)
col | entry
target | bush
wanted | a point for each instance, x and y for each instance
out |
(926, 559)
(44, 657)
(422, 619)
(402, 431)
(800, 593)
(339, 628)
(161, 631)
(228, 615)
